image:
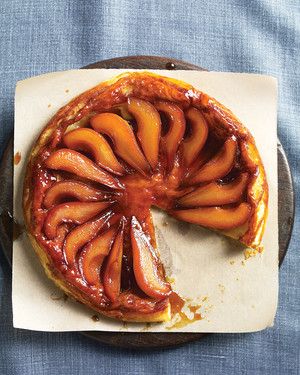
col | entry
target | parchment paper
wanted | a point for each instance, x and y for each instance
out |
(233, 294)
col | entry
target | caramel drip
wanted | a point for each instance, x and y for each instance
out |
(182, 320)
(17, 158)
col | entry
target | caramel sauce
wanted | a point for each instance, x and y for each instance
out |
(17, 158)
(182, 320)
(176, 302)
(95, 318)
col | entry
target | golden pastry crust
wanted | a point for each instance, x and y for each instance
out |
(103, 97)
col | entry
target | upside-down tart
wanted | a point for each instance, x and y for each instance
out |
(105, 158)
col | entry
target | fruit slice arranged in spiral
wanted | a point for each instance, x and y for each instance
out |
(85, 139)
(146, 265)
(193, 144)
(216, 217)
(176, 128)
(74, 162)
(93, 255)
(112, 272)
(72, 189)
(149, 128)
(125, 144)
(81, 235)
(73, 212)
(219, 166)
(216, 194)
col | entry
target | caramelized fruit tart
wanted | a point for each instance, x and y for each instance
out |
(108, 156)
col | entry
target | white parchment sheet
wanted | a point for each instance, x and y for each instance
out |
(235, 294)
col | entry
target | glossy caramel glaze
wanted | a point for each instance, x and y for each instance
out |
(162, 180)
(17, 158)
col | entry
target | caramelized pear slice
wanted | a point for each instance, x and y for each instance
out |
(175, 133)
(219, 166)
(93, 254)
(216, 217)
(113, 268)
(85, 139)
(215, 194)
(146, 264)
(121, 134)
(193, 144)
(72, 189)
(81, 235)
(74, 162)
(149, 128)
(72, 212)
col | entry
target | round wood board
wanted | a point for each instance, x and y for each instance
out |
(146, 340)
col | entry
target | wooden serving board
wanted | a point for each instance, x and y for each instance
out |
(146, 339)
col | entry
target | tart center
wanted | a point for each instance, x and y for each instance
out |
(141, 193)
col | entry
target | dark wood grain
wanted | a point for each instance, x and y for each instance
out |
(147, 340)
(143, 62)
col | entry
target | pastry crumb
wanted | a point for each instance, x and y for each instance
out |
(170, 280)
(67, 90)
(261, 249)
(222, 288)
(232, 262)
(49, 105)
(250, 253)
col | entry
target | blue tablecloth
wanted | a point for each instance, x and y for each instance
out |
(243, 36)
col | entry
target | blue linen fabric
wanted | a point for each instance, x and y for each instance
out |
(260, 36)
